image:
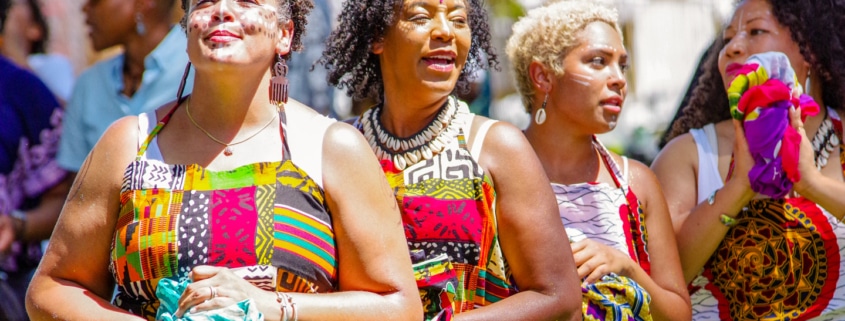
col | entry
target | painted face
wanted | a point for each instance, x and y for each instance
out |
(111, 21)
(428, 44)
(754, 29)
(235, 31)
(592, 88)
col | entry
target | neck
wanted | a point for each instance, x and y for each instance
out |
(16, 50)
(405, 116)
(137, 48)
(224, 105)
(567, 157)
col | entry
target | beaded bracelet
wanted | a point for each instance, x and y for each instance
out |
(727, 220)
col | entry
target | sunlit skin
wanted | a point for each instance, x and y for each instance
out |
(232, 32)
(754, 29)
(428, 45)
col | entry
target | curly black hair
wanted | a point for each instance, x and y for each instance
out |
(294, 10)
(816, 26)
(351, 65)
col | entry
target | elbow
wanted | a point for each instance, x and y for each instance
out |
(407, 303)
(566, 305)
(34, 296)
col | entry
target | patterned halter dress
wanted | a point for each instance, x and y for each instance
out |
(268, 222)
(448, 208)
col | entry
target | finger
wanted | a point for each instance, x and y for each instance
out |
(196, 293)
(578, 246)
(795, 120)
(7, 237)
(202, 272)
(217, 303)
(596, 274)
(584, 269)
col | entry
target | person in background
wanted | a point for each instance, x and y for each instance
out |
(570, 64)
(479, 217)
(750, 256)
(24, 35)
(32, 185)
(233, 198)
(141, 78)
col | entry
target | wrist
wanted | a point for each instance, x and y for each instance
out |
(19, 221)
(804, 186)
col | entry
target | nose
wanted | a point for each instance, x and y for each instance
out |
(735, 48)
(441, 28)
(224, 12)
(617, 79)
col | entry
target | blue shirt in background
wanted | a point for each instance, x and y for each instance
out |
(97, 100)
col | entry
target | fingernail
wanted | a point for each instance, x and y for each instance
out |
(791, 108)
(193, 310)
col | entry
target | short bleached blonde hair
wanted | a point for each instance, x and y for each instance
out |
(547, 34)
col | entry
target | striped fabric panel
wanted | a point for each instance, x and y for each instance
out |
(306, 237)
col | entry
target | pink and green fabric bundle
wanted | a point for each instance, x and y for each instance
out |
(760, 95)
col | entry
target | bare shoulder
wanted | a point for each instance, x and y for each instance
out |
(642, 177)
(679, 153)
(502, 137)
(120, 139)
(344, 137)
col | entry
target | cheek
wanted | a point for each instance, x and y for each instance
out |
(259, 23)
(198, 20)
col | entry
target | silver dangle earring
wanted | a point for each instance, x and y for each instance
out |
(807, 83)
(278, 83)
(540, 116)
(140, 27)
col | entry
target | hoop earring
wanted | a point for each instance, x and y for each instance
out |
(140, 27)
(278, 83)
(540, 116)
(181, 90)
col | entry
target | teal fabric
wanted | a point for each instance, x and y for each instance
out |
(169, 291)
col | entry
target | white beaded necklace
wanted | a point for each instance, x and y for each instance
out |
(404, 152)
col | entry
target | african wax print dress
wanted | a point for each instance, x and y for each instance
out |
(448, 208)
(611, 215)
(268, 222)
(783, 260)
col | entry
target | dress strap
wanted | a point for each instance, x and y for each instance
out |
(283, 131)
(478, 137)
(619, 177)
(164, 120)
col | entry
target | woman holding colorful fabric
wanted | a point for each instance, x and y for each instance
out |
(225, 190)
(570, 64)
(479, 218)
(755, 247)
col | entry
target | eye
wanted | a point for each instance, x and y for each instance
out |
(459, 21)
(755, 32)
(419, 19)
(598, 61)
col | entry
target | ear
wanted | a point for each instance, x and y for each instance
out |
(285, 38)
(377, 47)
(33, 32)
(541, 77)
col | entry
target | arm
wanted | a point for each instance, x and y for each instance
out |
(73, 271)
(817, 186)
(697, 226)
(39, 220)
(376, 279)
(670, 299)
(532, 236)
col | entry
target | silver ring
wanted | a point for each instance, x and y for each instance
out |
(213, 292)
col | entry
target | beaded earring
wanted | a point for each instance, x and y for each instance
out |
(540, 116)
(278, 83)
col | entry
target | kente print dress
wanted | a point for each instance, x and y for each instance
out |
(783, 260)
(449, 215)
(269, 222)
(610, 215)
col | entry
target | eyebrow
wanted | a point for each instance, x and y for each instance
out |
(424, 4)
(746, 22)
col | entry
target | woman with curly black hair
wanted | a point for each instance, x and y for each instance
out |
(480, 220)
(231, 202)
(763, 257)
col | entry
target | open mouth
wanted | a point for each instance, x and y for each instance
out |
(440, 62)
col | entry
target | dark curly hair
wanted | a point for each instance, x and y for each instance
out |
(351, 65)
(294, 10)
(816, 26)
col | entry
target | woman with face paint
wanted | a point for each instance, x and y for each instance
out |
(238, 195)
(479, 217)
(749, 256)
(570, 64)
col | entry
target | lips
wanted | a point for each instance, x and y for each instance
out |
(612, 104)
(221, 35)
(441, 61)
